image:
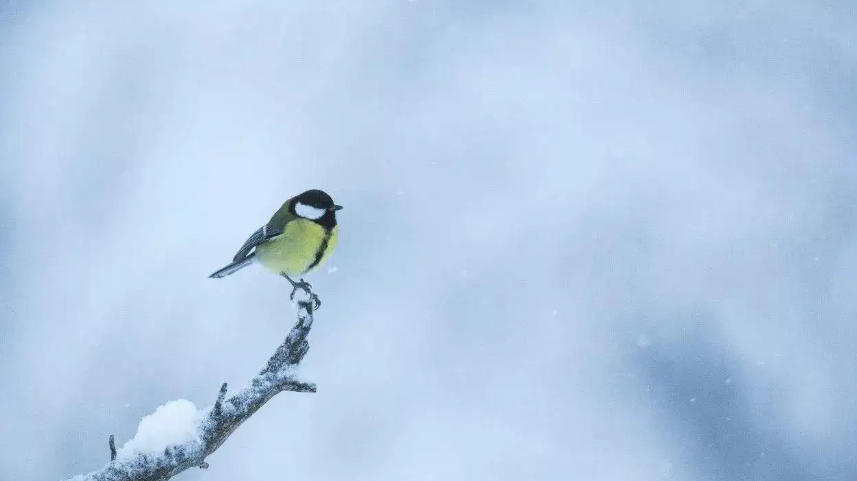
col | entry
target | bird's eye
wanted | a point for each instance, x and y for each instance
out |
(309, 212)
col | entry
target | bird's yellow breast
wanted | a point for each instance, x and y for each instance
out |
(302, 247)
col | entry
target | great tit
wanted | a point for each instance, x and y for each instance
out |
(297, 240)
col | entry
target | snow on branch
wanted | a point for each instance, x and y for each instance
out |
(178, 436)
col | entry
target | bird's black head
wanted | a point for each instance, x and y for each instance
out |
(317, 206)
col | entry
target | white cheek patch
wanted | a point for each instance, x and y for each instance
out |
(308, 211)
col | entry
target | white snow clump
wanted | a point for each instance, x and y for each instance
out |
(176, 422)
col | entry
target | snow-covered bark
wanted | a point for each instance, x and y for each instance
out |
(178, 436)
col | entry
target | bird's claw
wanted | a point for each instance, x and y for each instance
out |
(307, 288)
(315, 301)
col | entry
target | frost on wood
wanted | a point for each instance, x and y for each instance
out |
(178, 436)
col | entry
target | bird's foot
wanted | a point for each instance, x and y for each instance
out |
(307, 288)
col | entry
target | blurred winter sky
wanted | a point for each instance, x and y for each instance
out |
(607, 240)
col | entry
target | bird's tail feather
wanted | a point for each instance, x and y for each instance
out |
(237, 265)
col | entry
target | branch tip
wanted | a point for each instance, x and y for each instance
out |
(203, 465)
(218, 405)
(112, 443)
(298, 386)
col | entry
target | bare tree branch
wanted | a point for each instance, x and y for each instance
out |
(222, 419)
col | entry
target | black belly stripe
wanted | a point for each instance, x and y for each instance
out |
(321, 250)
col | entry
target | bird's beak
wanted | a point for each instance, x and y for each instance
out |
(336, 208)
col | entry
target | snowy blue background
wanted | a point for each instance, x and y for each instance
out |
(581, 240)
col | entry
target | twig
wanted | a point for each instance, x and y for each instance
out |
(218, 405)
(223, 418)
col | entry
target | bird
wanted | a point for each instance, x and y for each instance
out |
(297, 240)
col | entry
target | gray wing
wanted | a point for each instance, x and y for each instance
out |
(261, 235)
